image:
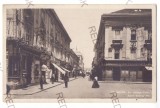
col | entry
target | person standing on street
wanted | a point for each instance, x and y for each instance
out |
(95, 83)
(44, 69)
(41, 81)
(8, 89)
(66, 79)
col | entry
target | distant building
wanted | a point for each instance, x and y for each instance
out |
(124, 46)
(81, 63)
(34, 37)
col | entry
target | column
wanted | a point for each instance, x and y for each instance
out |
(32, 72)
(107, 30)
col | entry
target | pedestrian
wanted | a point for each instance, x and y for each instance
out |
(66, 79)
(41, 81)
(74, 72)
(8, 89)
(44, 69)
(95, 83)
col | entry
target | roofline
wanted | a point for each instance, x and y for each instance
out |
(60, 23)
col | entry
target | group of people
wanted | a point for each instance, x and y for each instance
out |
(52, 75)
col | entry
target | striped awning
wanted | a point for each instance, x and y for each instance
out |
(65, 69)
(59, 68)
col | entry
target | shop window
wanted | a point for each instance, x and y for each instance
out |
(109, 74)
(124, 74)
(13, 66)
(139, 74)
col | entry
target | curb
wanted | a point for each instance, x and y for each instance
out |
(125, 82)
(45, 88)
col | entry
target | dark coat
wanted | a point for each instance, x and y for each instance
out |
(66, 78)
(95, 84)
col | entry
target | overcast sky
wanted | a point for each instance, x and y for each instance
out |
(77, 20)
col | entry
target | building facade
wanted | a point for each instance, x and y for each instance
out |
(124, 46)
(81, 63)
(35, 37)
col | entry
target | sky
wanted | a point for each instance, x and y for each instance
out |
(77, 20)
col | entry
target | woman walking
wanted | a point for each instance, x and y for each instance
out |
(95, 83)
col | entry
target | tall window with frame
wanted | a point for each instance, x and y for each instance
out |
(110, 52)
(117, 34)
(133, 35)
(117, 54)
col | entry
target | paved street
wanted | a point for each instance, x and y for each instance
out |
(81, 88)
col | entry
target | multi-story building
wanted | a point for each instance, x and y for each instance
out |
(124, 46)
(35, 37)
(81, 64)
(74, 60)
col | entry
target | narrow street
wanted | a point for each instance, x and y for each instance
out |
(82, 88)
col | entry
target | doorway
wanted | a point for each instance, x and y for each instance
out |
(116, 73)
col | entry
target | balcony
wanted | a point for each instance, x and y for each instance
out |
(117, 44)
(125, 63)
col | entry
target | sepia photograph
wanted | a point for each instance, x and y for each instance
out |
(80, 52)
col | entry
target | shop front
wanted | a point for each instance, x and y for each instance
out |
(23, 64)
(133, 71)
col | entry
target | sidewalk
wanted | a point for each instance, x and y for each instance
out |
(126, 82)
(36, 88)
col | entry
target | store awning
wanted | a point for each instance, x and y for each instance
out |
(66, 69)
(148, 68)
(61, 70)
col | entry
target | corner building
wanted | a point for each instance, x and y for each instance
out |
(34, 37)
(124, 46)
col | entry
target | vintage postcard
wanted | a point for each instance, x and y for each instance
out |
(79, 53)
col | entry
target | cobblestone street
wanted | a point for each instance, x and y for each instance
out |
(81, 88)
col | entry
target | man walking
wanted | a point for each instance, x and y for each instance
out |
(66, 79)
(44, 69)
(41, 81)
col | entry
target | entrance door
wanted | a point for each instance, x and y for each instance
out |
(116, 73)
(147, 76)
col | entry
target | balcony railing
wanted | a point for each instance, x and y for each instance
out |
(117, 44)
(148, 41)
(117, 41)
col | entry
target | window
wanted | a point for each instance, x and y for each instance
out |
(116, 54)
(149, 35)
(109, 49)
(139, 74)
(117, 32)
(133, 50)
(142, 52)
(133, 34)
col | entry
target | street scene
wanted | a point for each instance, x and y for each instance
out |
(81, 52)
(85, 90)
